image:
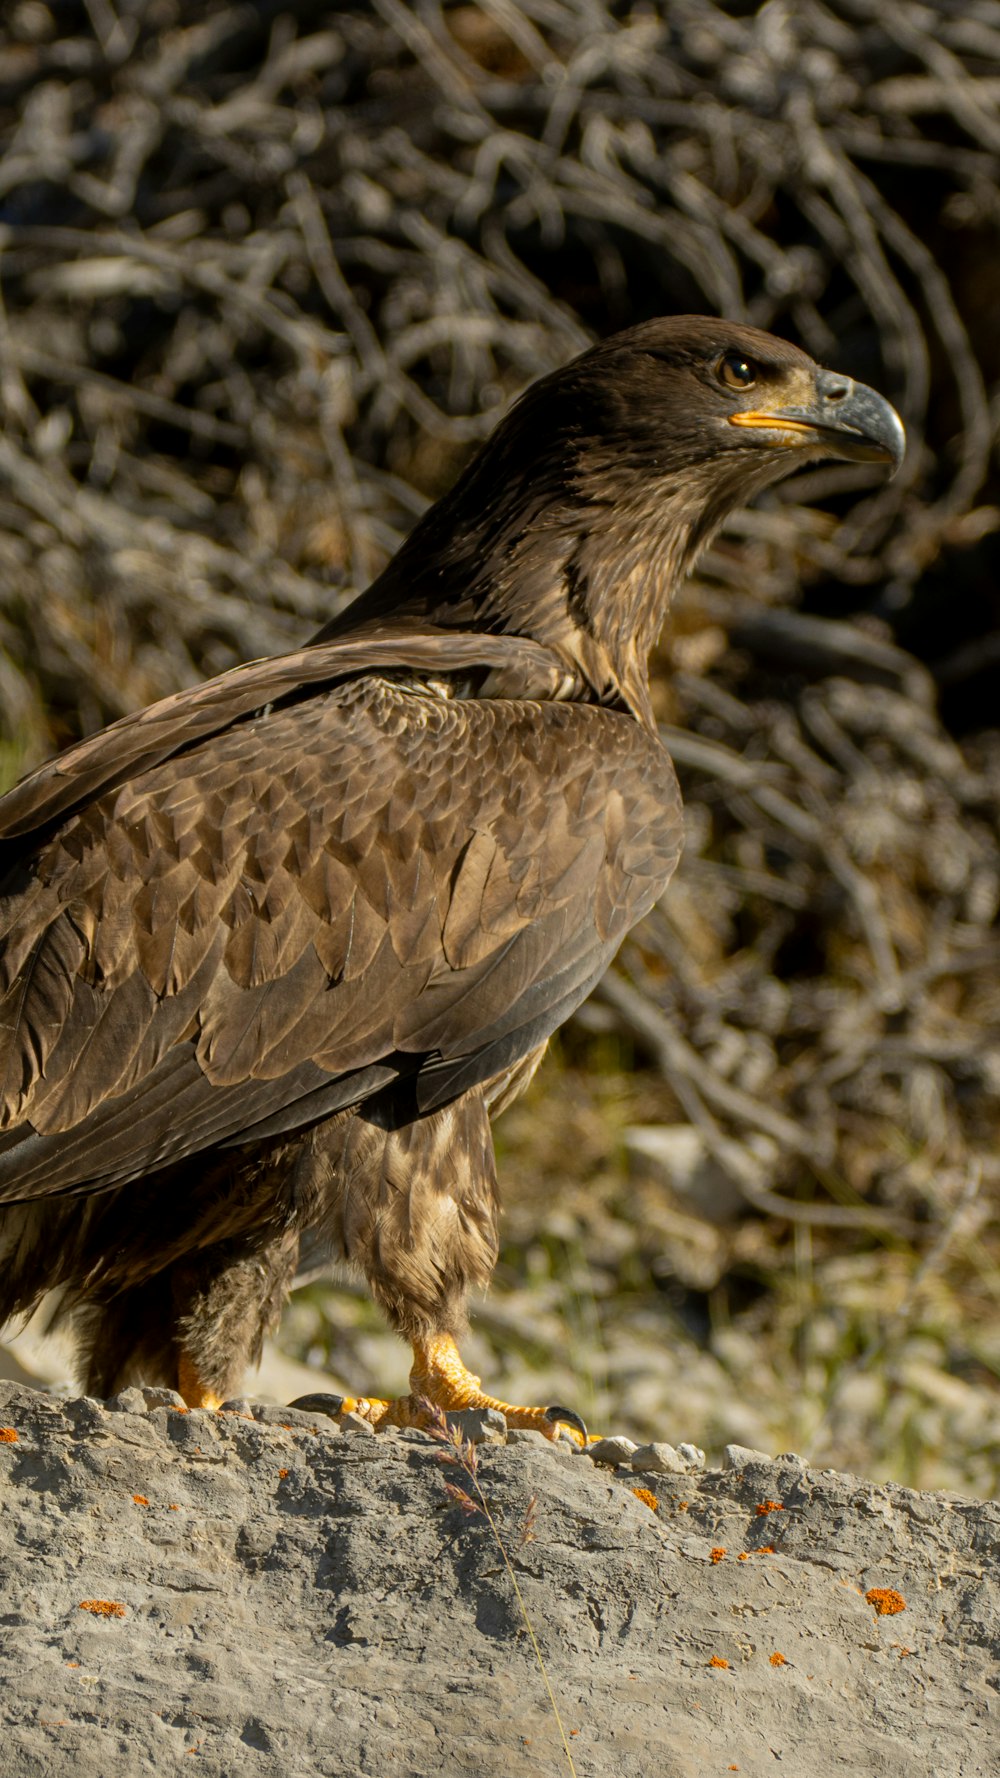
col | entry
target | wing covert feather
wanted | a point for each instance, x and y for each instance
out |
(373, 873)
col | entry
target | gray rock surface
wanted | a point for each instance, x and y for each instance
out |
(217, 1594)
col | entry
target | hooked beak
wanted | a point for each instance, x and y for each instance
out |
(842, 419)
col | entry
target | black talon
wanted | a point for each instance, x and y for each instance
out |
(319, 1404)
(567, 1418)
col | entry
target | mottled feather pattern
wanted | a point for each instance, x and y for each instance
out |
(135, 743)
(329, 883)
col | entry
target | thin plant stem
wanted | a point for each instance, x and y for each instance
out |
(524, 1613)
(463, 1455)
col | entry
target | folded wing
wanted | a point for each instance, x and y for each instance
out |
(228, 925)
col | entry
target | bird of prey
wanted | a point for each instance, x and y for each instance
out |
(274, 950)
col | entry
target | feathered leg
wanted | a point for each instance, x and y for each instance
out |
(418, 1209)
(224, 1305)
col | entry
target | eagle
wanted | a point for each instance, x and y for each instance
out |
(275, 950)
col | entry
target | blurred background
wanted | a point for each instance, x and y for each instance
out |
(268, 273)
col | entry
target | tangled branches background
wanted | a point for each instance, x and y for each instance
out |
(268, 272)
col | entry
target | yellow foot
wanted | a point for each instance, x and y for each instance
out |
(439, 1377)
(189, 1384)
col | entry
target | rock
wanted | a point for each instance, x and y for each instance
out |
(612, 1450)
(266, 1414)
(564, 1447)
(161, 1398)
(353, 1423)
(281, 1602)
(129, 1401)
(658, 1459)
(738, 1456)
(479, 1426)
(692, 1456)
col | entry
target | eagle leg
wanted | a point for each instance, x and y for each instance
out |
(196, 1392)
(439, 1377)
(225, 1300)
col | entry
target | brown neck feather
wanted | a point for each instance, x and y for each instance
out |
(590, 579)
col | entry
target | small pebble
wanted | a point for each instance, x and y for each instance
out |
(155, 1397)
(527, 1435)
(128, 1401)
(612, 1450)
(355, 1423)
(480, 1426)
(658, 1459)
(692, 1456)
(738, 1456)
(238, 1404)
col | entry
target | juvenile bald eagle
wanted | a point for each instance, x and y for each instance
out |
(274, 950)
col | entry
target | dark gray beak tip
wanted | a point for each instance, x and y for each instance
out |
(865, 428)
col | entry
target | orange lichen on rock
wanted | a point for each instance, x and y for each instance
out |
(716, 1555)
(282, 1474)
(717, 1661)
(140, 1500)
(647, 1497)
(885, 1601)
(768, 1506)
(103, 1607)
(743, 1557)
(766, 1549)
(7, 1435)
(777, 1659)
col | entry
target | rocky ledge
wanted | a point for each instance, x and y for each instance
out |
(259, 1592)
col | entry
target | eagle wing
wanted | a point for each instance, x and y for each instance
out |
(259, 902)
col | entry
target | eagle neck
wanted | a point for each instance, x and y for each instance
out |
(590, 578)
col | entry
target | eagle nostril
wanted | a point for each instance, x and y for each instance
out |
(837, 391)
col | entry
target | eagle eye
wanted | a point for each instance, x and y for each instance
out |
(737, 372)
